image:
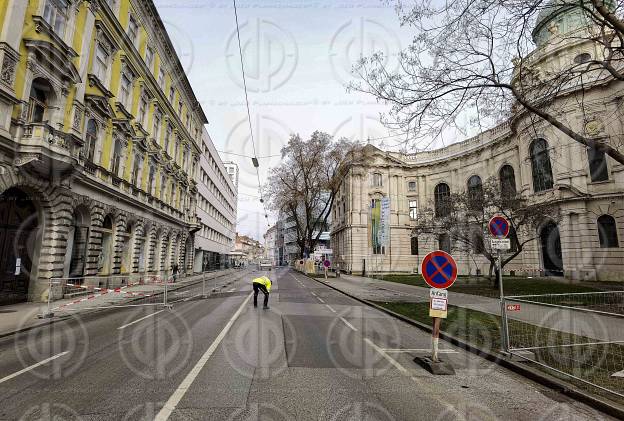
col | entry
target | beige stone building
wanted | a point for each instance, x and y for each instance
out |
(532, 156)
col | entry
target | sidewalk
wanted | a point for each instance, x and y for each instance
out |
(597, 326)
(22, 316)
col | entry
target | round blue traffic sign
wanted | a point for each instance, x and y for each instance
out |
(439, 269)
(499, 227)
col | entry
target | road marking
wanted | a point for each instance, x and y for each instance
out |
(617, 374)
(398, 350)
(47, 360)
(391, 360)
(321, 300)
(313, 293)
(179, 393)
(330, 307)
(232, 290)
(138, 320)
(348, 324)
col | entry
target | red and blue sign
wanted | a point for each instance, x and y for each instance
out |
(439, 269)
(499, 227)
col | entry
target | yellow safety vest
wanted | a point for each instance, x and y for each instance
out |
(263, 280)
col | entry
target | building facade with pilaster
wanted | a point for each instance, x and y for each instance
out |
(100, 139)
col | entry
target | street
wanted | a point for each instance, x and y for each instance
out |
(314, 355)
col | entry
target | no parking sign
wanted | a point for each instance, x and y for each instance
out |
(439, 269)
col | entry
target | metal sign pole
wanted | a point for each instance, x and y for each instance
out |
(504, 337)
(435, 338)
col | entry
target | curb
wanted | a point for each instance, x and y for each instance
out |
(596, 402)
(93, 312)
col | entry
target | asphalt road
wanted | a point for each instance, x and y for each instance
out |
(314, 355)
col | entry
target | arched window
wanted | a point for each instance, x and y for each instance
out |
(442, 195)
(475, 193)
(540, 165)
(91, 139)
(607, 232)
(507, 181)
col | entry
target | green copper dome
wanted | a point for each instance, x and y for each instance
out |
(561, 17)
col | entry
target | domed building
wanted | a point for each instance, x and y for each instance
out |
(530, 154)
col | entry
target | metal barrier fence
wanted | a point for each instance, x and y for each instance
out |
(578, 336)
(132, 290)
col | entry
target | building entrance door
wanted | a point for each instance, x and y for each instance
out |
(19, 225)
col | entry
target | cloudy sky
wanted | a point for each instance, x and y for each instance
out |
(298, 56)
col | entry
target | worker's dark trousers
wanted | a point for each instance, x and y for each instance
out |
(259, 287)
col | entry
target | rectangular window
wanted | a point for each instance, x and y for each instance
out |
(444, 243)
(116, 164)
(413, 210)
(411, 186)
(171, 95)
(55, 13)
(180, 109)
(161, 79)
(597, 165)
(150, 180)
(156, 128)
(124, 93)
(414, 246)
(149, 58)
(100, 65)
(142, 110)
(133, 31)
(136, 171)
(377, 180)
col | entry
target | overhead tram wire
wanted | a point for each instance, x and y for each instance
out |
(254, 158)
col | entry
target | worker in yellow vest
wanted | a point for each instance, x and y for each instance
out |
(262, 284)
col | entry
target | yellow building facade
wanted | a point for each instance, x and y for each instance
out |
(100, 136)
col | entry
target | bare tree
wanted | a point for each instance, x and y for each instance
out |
(464, 217)
(476, 60)
(304, 185)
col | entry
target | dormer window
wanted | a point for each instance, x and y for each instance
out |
(55, 13)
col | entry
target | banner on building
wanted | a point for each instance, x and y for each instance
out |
(384, 221)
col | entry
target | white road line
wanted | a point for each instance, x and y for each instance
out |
(617, 374)
(138, 320)
(398, 350)
(330, 307)
(17, 373)
(179, 393)
(320, 299)
(348, 324)
(232, 290)
(313, 293)
(391, 360)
